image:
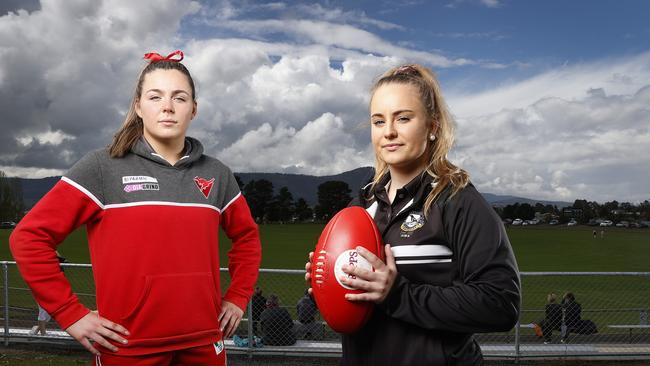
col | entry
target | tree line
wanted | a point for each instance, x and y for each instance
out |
(266, 206)
(582, 211)
(11, 199)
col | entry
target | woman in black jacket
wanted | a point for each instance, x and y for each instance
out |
(450, 271)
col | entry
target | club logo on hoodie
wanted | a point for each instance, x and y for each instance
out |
(204, 185)
(414, 221)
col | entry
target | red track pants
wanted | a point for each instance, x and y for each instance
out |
(211, 354)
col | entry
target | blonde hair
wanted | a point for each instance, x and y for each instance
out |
(438, 166)
(132, 127)
(551, 297)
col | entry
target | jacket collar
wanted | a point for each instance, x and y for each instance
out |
(192, 151)
(420, 186)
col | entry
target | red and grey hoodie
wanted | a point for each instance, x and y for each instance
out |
(153, 233)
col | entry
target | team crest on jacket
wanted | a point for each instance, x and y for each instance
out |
(414, 221)
(204, 185)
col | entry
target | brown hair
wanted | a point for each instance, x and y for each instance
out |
(438, 166)
(132, 127)
(568, 297)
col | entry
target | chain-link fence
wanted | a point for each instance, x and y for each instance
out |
(585, 313)
(563, 314)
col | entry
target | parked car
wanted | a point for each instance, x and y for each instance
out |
(7, 225)
(623, 224)
(553, 222)
(572, 223)
(606, 223)
(517, 221)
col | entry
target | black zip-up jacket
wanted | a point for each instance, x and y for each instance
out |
(457, 275)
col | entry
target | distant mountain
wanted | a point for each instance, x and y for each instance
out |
(306, 186)
(300, 186)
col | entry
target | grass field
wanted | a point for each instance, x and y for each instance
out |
(560, 248)
(606, 300)
(537, 248)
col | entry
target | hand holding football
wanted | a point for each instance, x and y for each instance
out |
(376, 283)
(352, 227)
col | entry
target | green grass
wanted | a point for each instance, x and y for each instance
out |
(284, 246)
(574, 249)
(30, 355)
(538, 248)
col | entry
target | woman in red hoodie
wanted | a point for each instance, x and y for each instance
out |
(152, 203)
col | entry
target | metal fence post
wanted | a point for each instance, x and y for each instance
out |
(5, 274)
(643, 317)
(517, 335)
(250, 329)
(518, 325)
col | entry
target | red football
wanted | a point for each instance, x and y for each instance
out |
(349, 228)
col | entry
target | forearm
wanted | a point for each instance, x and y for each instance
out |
(465, 308)
(33, 244)
(245, 256)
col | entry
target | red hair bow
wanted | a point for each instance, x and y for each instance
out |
(155, 57)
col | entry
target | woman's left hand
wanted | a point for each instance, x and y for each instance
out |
(377, 284)
(229, 318)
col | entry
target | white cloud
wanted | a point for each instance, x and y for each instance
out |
(491, 3)
(241, 89)
(616, 76)
(48, 137)
(320, 147)
(580, 131)
(590, 146)
(69, 67)
(492, 36)
(81, 89)
(341, 16)
(486, 3)
(336, 35)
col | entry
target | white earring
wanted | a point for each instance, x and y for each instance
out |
(432, 137)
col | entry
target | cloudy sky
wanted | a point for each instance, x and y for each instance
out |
(551, 98)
